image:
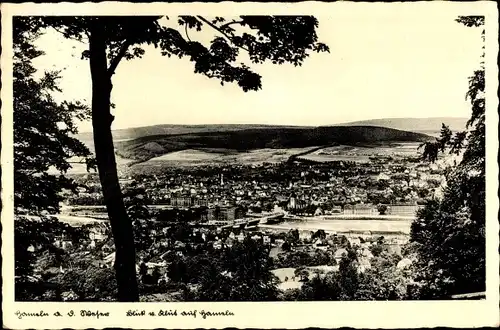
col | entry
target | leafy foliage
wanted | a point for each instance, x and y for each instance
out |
(43, 131)
(383, 281)
(89, 284)
(43, 140)
(136, 200)
(239, 273)
(278, 39)
(382, 209)
(341, 285)
(450, 231)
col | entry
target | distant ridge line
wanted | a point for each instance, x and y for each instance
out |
(413, 124)
(401, 123)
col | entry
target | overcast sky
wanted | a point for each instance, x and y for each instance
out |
(388, 64)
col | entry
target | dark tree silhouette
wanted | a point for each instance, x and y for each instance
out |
(42, 122)
(242, 273)
(449, 232)
(278, 39)
(382, 209)
(43, 130)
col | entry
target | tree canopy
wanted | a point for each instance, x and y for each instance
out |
(450, 231)
(43, 140)
(44, 131)
(275, 39)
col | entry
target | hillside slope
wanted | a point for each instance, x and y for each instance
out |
(414, 124)
(147, 147)
(168, 129)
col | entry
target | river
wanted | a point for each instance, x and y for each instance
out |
(401, 225)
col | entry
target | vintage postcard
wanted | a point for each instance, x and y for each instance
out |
(250, 165)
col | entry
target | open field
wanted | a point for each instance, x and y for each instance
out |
(196, 157)
(77, 168)
(178, 145)
(149, 147)
(222, 156)
(363, 153)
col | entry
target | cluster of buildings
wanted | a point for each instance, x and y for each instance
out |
(228, 195)
(340, 188)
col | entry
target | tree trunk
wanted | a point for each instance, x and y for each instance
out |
(121, 226)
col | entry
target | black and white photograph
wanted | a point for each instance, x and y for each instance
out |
(285, 158)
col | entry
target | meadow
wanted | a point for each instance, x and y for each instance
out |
(197, 157)
(364, 152)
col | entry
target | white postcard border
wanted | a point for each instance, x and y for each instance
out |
(258, 314)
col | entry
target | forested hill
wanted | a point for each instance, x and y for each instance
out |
(274, 137)
(171, 129)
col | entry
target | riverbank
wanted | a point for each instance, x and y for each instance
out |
(344, 226)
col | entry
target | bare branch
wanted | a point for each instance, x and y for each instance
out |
(69, 37)
(116, 60)
(187, 34)
(230, 23)
(80, 162)
(228, 37)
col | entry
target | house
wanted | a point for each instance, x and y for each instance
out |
(295, 203)
(404, 263)
(97, 236)
(63, 243)
(256, 237)
(179, 245)
(383, 176)
(159, 264)
(336, 209)
(109, 260)
(365, 252)
(403, 209)
(229, 242)
(320, 244)
(318, 212)
(363, 265)
(107, 247)
(359, 209)
(355, 241)
(339, 254)
(305, 235)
